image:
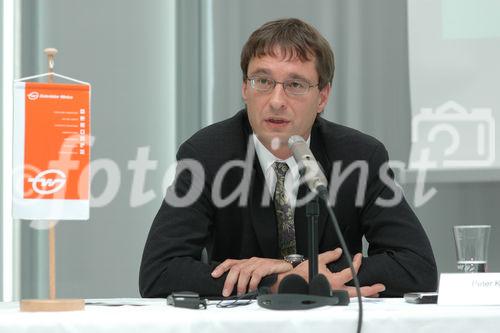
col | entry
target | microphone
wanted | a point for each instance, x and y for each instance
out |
(313, 176)
(319, 285)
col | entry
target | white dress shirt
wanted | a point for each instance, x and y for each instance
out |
(292, 177)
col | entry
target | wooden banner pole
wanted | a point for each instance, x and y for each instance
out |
(51, 53)
(52, 260)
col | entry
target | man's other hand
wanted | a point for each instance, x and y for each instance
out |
(338, 280)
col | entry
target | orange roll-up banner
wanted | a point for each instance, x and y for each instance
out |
(51, 151)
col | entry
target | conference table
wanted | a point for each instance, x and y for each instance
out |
(154, 315)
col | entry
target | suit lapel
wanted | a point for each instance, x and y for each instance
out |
(318, 150)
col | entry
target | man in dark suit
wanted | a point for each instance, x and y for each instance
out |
(237, 189)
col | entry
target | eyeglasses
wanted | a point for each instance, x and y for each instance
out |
(292, 87)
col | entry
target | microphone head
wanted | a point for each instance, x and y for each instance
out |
(295, 139)
(320, 286)
(293, 284)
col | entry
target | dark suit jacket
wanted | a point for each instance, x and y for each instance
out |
(399, 253)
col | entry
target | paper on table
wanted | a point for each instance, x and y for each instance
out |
(125, 301)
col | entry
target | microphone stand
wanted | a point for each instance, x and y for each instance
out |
(312, 213)
(289, 298)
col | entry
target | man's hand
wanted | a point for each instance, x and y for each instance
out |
(247, 273)
(339, 279)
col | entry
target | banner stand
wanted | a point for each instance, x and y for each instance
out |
(52, 304)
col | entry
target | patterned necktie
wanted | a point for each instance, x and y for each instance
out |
(284, 212)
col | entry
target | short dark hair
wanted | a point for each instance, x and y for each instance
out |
(294, 38)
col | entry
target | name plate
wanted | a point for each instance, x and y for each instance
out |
(469, 289)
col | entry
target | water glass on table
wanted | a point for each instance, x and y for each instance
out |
(471, 242)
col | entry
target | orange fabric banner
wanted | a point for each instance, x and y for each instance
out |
(53, 130)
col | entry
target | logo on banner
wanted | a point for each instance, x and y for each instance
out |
(32, 96)
(48, 181)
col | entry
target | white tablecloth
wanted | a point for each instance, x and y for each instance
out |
(380, 315)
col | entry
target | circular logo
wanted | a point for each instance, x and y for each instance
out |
(48, 181)
(33, 95)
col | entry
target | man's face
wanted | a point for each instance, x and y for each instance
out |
(276, 115)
